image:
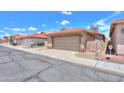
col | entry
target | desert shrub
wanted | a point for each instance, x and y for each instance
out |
(40, 44)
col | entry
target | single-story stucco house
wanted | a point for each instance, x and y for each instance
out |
(76, 39)
(30, 39)
(117, 36)
(4, 40)
(34, 39)
(18, 39)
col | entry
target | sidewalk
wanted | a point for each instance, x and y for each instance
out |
(69, 56)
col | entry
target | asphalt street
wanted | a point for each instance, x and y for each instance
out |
(20, 66)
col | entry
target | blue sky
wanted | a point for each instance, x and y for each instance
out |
(28, 22)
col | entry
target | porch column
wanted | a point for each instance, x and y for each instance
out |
(49, 43)
(82, 46)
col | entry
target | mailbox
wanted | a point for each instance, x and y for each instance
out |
(110, 47)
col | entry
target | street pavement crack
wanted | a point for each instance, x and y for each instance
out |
(36, 75)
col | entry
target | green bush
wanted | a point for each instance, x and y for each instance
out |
(41, 44)
(38, 44)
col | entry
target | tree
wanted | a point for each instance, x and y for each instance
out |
(63, 28)
(11, 40)
(94, 27)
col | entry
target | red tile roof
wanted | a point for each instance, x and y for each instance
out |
(74, 31)
(114, 23)
(17, 36)
(94, 33)
(38, 35)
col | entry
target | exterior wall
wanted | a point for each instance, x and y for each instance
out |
(120, 49)
(99, 37)
(19, 42)
(120, 45)
(29, 41)
(114, 40)
(49, 42)
(91, 43)
(94, 45)
(99, 44)
(117, 39)
(37, 40)
(84, 39)
(91, 46)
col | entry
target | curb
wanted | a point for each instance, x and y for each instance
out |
(110, 71)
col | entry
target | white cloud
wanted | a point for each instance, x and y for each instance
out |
(6, 34)
(32, 28)
(39, 32)
(111, 16)
(105, 27)
(15, 29)
(43, 25)
(64, 22)
(5, 31)
(66, 12)
(102, 21)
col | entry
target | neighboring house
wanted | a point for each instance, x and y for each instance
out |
(18, 38)
(38, 38)
(34, 39)
(76, 39)
(117, 36)
(30, 39)
(4, 40)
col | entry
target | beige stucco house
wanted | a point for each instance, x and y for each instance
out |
(18, 38)
(76, 39)
(117, 36)
(4, 40)
(34, 39)
(27, 40)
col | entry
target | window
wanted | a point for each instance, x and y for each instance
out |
(122, 30)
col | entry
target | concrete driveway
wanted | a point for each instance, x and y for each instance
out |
(20, 66)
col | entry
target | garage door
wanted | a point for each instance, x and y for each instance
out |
(26, 42)
(67, 43)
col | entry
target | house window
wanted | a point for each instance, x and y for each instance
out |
(122, 30)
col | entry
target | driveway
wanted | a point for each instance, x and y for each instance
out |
(20, 66)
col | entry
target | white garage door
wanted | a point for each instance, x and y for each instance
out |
(26, 42)
(67, 43)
